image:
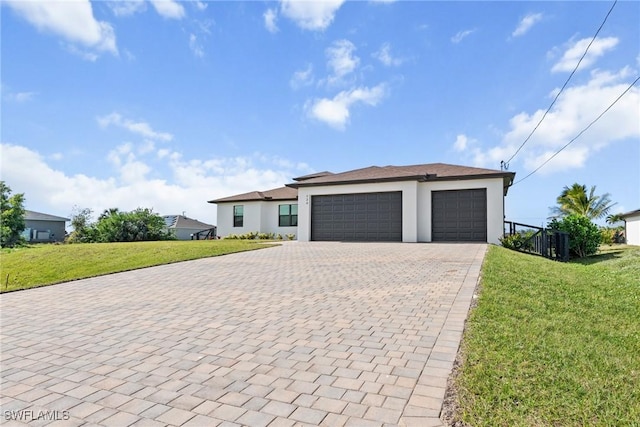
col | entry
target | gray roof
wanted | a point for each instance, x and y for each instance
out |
(181, 221)
(38, 216)
(281, 193)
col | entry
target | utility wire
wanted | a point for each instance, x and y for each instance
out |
(581, 132)
(563, 86)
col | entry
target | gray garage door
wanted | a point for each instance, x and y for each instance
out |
(366, 217)
(459, 215)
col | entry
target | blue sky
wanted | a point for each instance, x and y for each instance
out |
(166, 104)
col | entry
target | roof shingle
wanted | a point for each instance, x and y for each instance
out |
(281, 193)
(432, 171)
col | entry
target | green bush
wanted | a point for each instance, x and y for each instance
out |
(611, 235)
(512, 241)
(584, 235)
(520, 241)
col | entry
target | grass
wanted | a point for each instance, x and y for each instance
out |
(553, 344)
(39, 265)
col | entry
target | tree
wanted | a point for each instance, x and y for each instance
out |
(11, 217)
(575, 200)
(614, 218)
(108, 212)
(584, 235)
(138, 225)
(83, 230)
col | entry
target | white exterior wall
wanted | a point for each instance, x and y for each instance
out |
(251, 222)
(271, 217)
(416, 204)
(409, 209)
(495, 205)
(633, 230)
(259, 216)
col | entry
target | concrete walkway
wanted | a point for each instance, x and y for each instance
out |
(302, 334)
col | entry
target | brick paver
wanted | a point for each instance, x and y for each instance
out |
(314, 333)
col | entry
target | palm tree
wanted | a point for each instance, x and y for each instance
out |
(614, 218)
(575, 200)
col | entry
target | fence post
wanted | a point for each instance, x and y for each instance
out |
(565, 246)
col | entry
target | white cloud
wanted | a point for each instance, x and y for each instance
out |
(21, 97)
(526, 24)
(200, 5)
(195, 46)
(384, 56)
(302, 78)
(336, 112)
(72, 20)
(341, 60)
(575, 109)
(190, 184)
(127, 7)
(573, 53)
(311, 14)
(139, 128)
(270, 18)
(169, 9)
(460, 35)
(463, 143)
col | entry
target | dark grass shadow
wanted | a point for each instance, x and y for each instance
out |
(594, 259)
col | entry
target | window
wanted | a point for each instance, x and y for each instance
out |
(288, 215)
(238, 216)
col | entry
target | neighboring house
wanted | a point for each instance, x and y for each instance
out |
(632, 227)
(42, 228)
(188, 229)
(419, 203)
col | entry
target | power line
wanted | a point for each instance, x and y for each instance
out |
(562, 88)
(581, 132)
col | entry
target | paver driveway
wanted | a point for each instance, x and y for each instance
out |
(306, 333)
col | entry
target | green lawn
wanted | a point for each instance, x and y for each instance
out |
(39, 265)
(553, 344)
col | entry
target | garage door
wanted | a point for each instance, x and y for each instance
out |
(366, 217)
(459, 215)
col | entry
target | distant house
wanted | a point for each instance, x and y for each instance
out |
(188, 229)
(632, 227)
(418, 203)
(43, 228)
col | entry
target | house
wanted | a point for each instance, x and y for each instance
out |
(632, 227)
(43, 228)
(187, 228)
(420, 203)
(274, 211)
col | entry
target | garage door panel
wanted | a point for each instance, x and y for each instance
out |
(357, 217)
(459, 215)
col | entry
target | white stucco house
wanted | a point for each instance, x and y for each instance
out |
(632, 227)
(419, 203)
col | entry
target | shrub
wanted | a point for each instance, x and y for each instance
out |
(519, 241)
(11, 217)
(512, 241)
(611, 235)
(584, 235)
(291, 236)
